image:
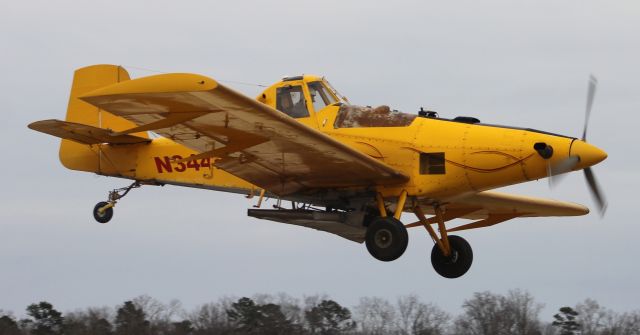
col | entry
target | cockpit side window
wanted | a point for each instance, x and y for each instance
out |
(320, 95)
(290, 100)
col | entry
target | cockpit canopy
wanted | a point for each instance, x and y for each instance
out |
(292, 94)
(320, 95)
(302, 96)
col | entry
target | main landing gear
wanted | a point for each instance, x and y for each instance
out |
(103, 211)
(387, 239)
(457, 263)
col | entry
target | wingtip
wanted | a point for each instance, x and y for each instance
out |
(36, 125)
(580, 210)
(585, 210)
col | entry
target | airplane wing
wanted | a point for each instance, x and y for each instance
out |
(252, 140)
(492, 202)
(489, 208)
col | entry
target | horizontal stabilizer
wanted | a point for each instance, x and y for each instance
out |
(83, 133)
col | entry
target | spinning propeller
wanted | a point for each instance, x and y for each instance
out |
(582, 155)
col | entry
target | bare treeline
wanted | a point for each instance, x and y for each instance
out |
(485, 313)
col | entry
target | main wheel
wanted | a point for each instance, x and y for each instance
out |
(386, 238)
(456, 264)
(105, 216)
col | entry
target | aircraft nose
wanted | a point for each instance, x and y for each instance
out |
(589, 154)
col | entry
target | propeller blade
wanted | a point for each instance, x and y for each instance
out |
(593, 82)
(556, 172)
(595, 190)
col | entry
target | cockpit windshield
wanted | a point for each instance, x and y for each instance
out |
(320, 96)
(340, 97)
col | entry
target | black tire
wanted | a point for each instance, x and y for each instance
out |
(386, 239)
(458, 263)
(105, 216)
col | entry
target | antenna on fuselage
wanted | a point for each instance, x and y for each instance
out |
(427, 113)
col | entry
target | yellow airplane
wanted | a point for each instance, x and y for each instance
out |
(344, 169)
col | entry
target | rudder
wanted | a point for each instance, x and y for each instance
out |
(82, 157)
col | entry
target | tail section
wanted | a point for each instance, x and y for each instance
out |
(97, 141)
(88, 79)
(77, 156)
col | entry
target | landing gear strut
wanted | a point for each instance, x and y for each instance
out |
(387, 237)
(103, 211)
(451, 255)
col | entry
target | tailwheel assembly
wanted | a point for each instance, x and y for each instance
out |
(457, 263)
(386, 238)
(103, 211)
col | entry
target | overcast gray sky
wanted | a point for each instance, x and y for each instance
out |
(521, 63)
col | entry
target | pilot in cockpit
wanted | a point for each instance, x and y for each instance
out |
(290, 100)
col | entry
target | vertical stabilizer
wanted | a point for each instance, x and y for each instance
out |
(83, 157)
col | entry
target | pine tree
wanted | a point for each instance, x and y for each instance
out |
(328, 318)
(46, 320)
(245, 314)
(250, 318)
(566, 322)
(131, 320)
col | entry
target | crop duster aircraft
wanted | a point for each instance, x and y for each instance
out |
(340, 168)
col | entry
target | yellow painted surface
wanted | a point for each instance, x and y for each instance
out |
(477, 157)
(77, 156)
(134, 161)
(157, 161)
(162, 83)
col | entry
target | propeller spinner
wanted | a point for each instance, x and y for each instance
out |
(583, 155)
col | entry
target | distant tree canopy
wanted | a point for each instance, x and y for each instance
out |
(91, 321)
(131, 320)
(329, 318)
(8, 326)
(566, 321)
(183, 327)
(516, 313)
(45, 320)
(492, 314)
(251, 318)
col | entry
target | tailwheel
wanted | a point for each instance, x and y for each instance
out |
(103, 212)
(457, 263)
(386, 238)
